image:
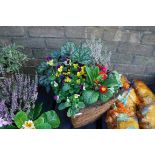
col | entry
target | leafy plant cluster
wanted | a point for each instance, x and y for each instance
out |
(11, 58)
(76, 81)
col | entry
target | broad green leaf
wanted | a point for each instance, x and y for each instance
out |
(40, 120)
(90, 96)
(37, 111)
(52, 118)
(106, 96)
(81, 105)
(64, 105)
(43, 126)
(20, 119)
(66, 87)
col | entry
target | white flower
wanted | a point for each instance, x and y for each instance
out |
(55, 84)
(68, 100)
(28, 125)
(84, 87)
(76, 95)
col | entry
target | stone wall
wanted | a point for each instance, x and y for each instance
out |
(133, 48)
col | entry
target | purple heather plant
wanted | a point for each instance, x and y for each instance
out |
(18, 92)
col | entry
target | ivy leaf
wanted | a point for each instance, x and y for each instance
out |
(20, 119)
(106, 96)
(51, 118)
(90, 96)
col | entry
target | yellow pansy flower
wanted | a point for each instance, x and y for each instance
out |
(78, 74)
(68, 73)
(67, 79)
(50, 63)
(57, 74)
(75, 65)
(78, 81)
(60, 69)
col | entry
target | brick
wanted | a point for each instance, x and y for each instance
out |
(132, 69)
(32, 63)
(122, 36)
(148, 39)
(140, 28)
(55, 43)
(111, 45)
(41, 53)
(135, 37)
(75, 31)
(150, 70)
(108, 35)
(31, 42)
(144, 50)
(94, 32)
(122, 58)
(28, 52)
(5, 41)
(142, 60)
(46, 31)
(12, 31)
(76, 41)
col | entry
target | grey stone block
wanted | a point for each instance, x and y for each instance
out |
(55, 43)
(122, 58)
(94, 32)
(31, 42)
(46, 31)
(75, 32)
(148, 39)
(4, 41)
(150, 70)
(128, 68)
(135, 37)
(41, 53)
(144, 50)
(143, 60)
(123, 36)
(108, 35)
(11, 31)
(140, 28)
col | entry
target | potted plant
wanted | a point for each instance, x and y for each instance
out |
(81, 83)
(12, 59)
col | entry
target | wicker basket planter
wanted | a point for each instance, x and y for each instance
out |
(92, 113)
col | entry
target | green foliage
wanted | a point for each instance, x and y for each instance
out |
(35, 112)
(113, 80)
(51, 118)
(75, 80)
(76, 53)
(105, 97)
(93, 73)
(82, 55)
(11, 58)
(48, 120)
(90, 96)
(20, 118)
